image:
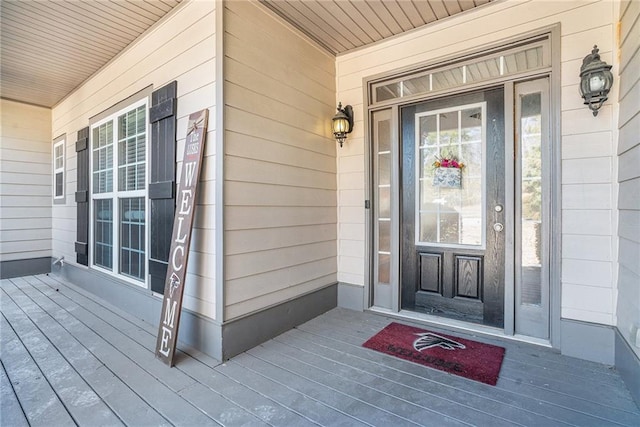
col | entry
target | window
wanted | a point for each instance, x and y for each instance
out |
(118, 193)
(450, 214)
(58, 170)
(505, 63)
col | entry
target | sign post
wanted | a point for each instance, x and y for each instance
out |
(181, 237)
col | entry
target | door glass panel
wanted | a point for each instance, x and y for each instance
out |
(450, 153)
(531, 197)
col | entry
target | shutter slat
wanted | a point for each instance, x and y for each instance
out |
(162, 180)
(82, 198)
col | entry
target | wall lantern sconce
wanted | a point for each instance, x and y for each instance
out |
(342, 123)
(595, 80)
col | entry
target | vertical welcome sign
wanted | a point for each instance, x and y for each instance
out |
(181, 237)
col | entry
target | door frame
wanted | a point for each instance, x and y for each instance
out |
(554, 176)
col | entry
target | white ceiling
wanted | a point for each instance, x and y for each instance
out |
(49, 47)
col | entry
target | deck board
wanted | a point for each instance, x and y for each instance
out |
(61, 344)
(11, 413)
(588, 380)
(235, 406)
(37, 397)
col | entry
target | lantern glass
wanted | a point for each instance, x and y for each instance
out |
(596, 82)
(340, 125)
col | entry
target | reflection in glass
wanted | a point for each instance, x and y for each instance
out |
(384, 268)
(384, 202)
(447, 78)
(102, 167)
(103, 233)
(451, 215)
(132, 235)
(531, 197)
(513, 61)
(384, 236)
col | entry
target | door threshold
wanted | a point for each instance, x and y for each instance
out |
(457, 325)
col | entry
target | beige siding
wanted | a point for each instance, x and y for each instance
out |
(25, 181)
(180, 47)
(628, 308)
(586, 141)
(280, 169)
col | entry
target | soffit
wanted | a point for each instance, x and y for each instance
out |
(343, 25)
(49, 47)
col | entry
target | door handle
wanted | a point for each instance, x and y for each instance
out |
(498, 227)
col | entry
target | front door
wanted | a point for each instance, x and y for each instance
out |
(452, 207)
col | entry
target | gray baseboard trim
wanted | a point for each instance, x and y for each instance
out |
(25, 267)
(628, 365)
(247, 332)
(351, 296)
(196, 331)
(589, 341)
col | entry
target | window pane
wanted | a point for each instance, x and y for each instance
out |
(531, 197)
(447, 78)
(384, 268)
(131, 150)
(510, 61)
(102, 143)
(132, 237)
(59, 189)
(450, 208)
(528, 59)
(483, 70)
(58, 156)
(103, 233)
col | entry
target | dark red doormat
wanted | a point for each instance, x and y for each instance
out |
(469, 359)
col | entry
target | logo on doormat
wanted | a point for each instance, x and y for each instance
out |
(430, 340)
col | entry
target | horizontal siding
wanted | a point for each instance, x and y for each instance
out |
(628, 301)
(25, 181)
(280, 168)
(183, 48)
(587, 142)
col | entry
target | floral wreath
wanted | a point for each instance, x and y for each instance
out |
(447, 162)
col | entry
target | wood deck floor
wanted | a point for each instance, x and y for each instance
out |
(68, 358)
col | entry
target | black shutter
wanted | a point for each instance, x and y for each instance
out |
(162, 187)
(82, 197)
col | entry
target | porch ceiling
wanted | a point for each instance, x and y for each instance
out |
(49, 47)
(342, 25)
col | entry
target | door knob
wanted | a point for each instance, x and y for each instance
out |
(498, 227)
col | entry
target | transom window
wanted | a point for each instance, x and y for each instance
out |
(119, 195)
(506, 63)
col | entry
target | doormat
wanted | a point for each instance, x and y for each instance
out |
(469, 359)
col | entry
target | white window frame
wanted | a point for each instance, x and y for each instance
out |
(115, 195)
(56, 171)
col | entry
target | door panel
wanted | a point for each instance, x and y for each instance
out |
(452, 252)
